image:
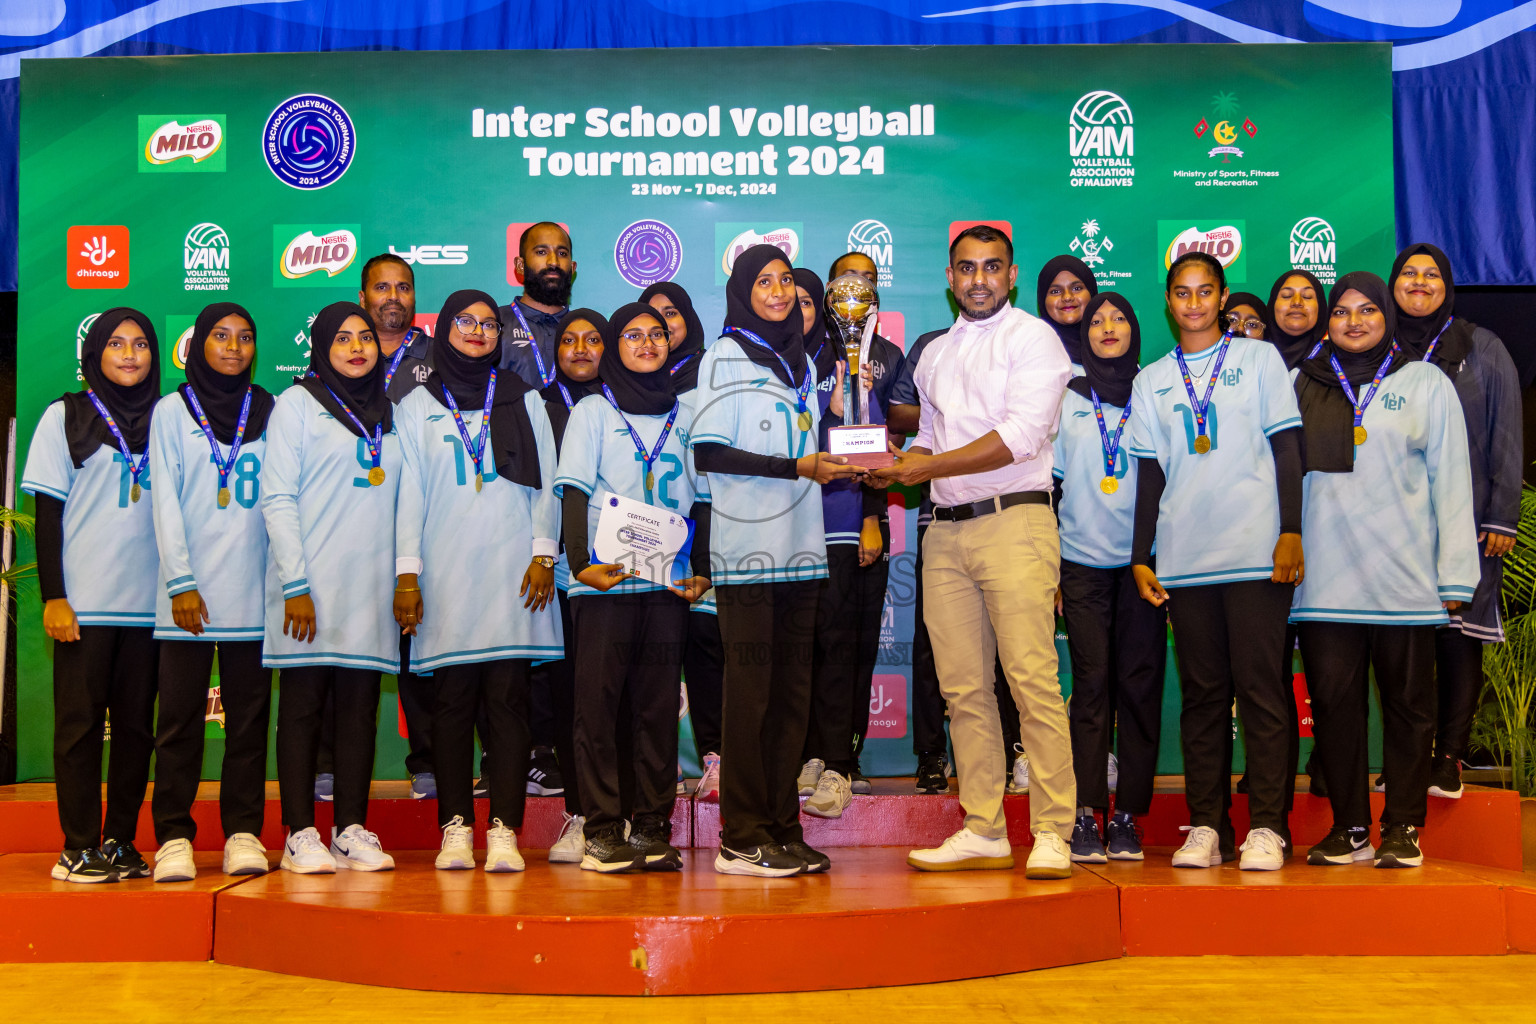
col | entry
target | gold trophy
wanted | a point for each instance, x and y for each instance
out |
(850, 302)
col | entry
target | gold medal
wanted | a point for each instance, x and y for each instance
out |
(376, 476)
(805, 419)
(1360, 435)
(1202, 444)
(1109, 485)
(479, 482)
(135, 492)
(223, 497)
(650, 480)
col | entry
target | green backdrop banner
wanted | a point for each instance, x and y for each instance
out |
(166, 183)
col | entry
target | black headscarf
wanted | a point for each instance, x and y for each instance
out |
(1071, 340)
(220, 394)
(466, 377)
(1418, 332)
(1295, 347)
(363, 396)
(683, 361)
(1235, 299)
(1110, 378)
(554, 400)
(131, 407)
(639, 394)
(1327, 416)
(824, 349)
(783, 336)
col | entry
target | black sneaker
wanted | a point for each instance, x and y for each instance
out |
(860, 782)
(932, 773)
(544, 778)
(1399, 847)
(1342, 846)
(651, 839)
(816, 862)
(87, 865)
(1087, 846)
(125, 860)
(765, 861)
(1123, 837)
(1445, 778)
(608, 853)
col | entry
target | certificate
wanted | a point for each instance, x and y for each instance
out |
(651, 543)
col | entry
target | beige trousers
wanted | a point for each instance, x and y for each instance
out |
(989, 590)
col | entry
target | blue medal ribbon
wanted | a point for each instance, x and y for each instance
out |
(1430, 352)
(565, 393)
(1349, 392)
(802, 392)
(1200, 407)
(538, 357)
(476, 452)
(1111, 444)
(682, 363)
(122, 442)
(394, 360)
(648, 457)
(376, 442)
(213, 442)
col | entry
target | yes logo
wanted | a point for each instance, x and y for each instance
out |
(181, 142)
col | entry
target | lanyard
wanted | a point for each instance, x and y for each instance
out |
(801, 392)
(394, 361)
(213, 442)
(538, 357)
(122, 443)
(1109, 485)
(565, 393)
(651, 456)
(375, 443)
(1349, 392)
(476, 452)
(1202, 442)
(681, 363)
(1430, 352)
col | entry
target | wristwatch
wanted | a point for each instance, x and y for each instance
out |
(547, 561)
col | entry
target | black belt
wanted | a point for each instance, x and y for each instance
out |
(960, 513)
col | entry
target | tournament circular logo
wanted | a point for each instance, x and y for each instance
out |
(648, 251)
(309, 141)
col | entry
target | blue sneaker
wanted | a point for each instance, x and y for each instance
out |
(423, 786)
(1087, 847)
(325, 787)
(1124, 837)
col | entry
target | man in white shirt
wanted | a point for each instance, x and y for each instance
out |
(991, 391)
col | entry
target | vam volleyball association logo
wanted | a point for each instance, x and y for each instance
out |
(646, 252)
(1314, 248)
(1101, 140)
(205, 259)
(873, 239)
(309, 141)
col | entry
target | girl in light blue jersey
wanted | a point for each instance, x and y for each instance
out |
(1392, 547)
(96, 568)
(476, 515)
(328, 496)
(206, 451)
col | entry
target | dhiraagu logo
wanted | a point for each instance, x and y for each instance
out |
(181, 142)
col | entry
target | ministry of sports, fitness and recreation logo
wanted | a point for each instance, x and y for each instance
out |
(303, 252)
(309, 141)
(1314, 248)
(731, 240)
(181, 142)
(1091, 244)
(873, 239)
(1101, 139)
(646, 252)
(1224, 131)
(205, 258)
(1225, 243)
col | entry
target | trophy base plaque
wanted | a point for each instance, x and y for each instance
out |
(861, 445)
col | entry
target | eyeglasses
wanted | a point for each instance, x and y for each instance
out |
(467, 325)
(657, 336)
(1236, 322)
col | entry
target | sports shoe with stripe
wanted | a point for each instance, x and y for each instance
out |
(1342, 846)
(305, 854)
(1399, 847)
(766, 861)
(810, 775)
(125, 859)
(357, 849)
(88, 866)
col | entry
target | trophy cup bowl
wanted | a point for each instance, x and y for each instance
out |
(850, 301)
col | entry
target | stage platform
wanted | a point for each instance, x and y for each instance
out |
(556, 929)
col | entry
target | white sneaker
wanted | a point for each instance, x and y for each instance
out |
(501, 849)
(832, 796)
(173, 862)
(1263, 850)
(709, 785)
(964, 851)
(304, 853)
(244, 855)
(810, 775)
(1050, 857)
(1019, 783)
(357, 849)
(458, 852)
(1202, 849)
(1114, 773)
(571, 846)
